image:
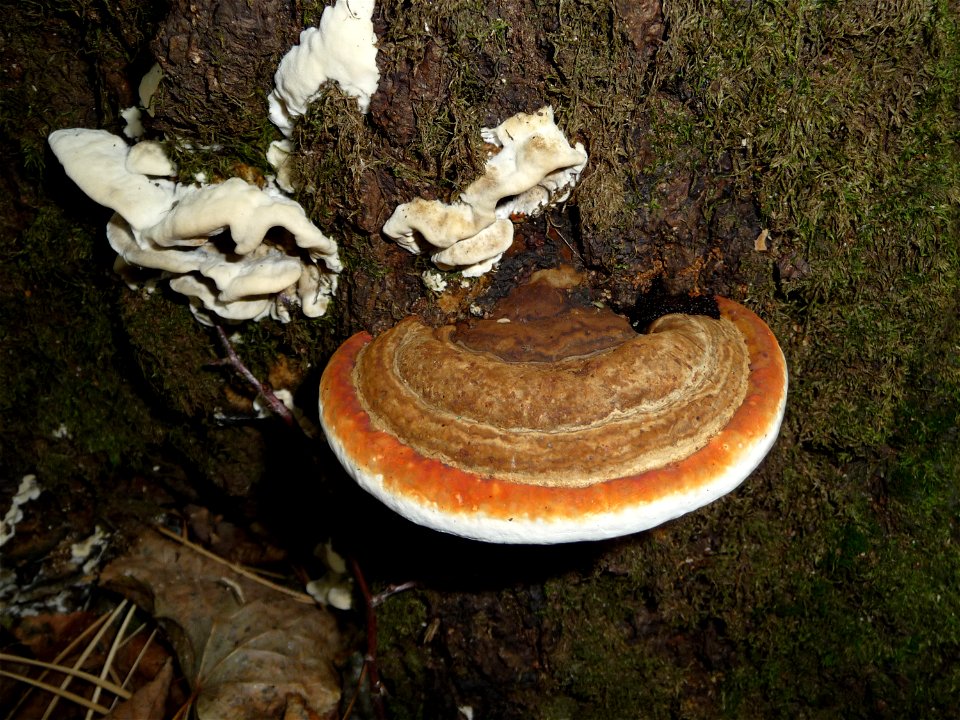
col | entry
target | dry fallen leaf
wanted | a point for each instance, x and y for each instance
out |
(246, 649)
(148, 702)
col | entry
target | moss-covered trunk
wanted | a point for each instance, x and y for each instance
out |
(799, 157)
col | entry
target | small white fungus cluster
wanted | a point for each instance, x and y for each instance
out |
(28, 490)
(341, 49)
(180, 229)
(532, 167)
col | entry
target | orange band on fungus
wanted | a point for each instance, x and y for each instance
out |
(458, 500)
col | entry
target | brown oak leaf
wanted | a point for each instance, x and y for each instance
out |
(246, 649)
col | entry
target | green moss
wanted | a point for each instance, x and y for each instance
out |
(173, 353)
(595, 89)
(402, 622)
(598, 649)
(333, 146)
(866, 609)
(359, 257)
(67, 396)
(831, 574)
(219, 155)
(843, 128)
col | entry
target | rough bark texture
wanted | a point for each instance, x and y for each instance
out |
(218, 61)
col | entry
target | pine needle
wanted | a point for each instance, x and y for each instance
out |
(83, 657)
(58, 692)
(79, 674)
(250, 575)
(56, 661)
(111, 655)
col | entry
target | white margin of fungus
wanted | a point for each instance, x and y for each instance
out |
(597, 526)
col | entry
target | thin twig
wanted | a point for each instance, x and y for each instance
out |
(390, 590)
(552, 227)
(370, 659)
(239, 569)
(273, 402)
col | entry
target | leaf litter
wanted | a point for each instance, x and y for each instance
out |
(247, 650)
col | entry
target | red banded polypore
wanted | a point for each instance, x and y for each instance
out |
(553, 420)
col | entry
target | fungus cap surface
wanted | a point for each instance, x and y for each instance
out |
(554, 421)
(96, 160)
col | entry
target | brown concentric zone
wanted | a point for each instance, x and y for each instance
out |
(451, 490)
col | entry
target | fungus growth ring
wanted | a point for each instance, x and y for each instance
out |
(553, 420)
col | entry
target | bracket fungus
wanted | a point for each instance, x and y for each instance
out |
(533, 166)
(172, 227)
(343, 49)
(554, 420)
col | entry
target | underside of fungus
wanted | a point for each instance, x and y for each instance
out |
(553, 420)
